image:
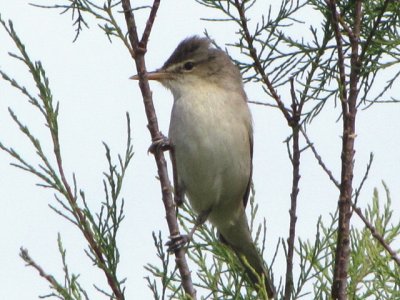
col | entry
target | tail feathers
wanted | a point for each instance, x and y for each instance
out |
(253, 263)
(257, 273)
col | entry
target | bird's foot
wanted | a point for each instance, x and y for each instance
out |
(177, 242)
(180, 240)
(162, 143)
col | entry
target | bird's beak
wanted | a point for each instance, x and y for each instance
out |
(157, 75)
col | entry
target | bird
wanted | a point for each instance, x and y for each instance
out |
(211, 143)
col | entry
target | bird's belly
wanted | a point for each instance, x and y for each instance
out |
(212, 157)
(201, 168)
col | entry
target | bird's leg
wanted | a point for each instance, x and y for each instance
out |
(161, 143)
(164, 144)
(178, 241)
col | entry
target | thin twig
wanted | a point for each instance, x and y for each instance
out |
(257, 63)
(293, 117)
(149, 23)
(319, 159)
(358, 190)
(377, 236)
(373, 31)
(30, 262)
(358, 211)
(295, 125)
(87, 231)
(60, 182)
(371, 228)
(263, 103)
(139, 51)
(339, 42)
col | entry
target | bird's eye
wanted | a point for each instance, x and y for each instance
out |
(188, 66)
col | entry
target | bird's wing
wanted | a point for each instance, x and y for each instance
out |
(247, 192)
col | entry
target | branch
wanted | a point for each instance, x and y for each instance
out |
(257, 63)
(358, 190)
(349, 110)
(357, 210)
(58, 182)
(373, 31)
(319, 159)
(149, 23)
(30, 262)
(295, 125)
(139, 50)
(263, 103)
(85, 225)
(376, 235)
(371, 228)
(338, 36)
(293, 117)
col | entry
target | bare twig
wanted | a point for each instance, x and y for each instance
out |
(149, 24)
(263, 103)
(319, 159)
(139, 49)
(358, 190)
(295, 125)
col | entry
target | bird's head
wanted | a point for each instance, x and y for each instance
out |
(194, 63)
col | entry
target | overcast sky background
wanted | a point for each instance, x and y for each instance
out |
(90, 80)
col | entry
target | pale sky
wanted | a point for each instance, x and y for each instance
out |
(90, 80)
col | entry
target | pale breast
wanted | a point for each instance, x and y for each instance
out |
(210, 133)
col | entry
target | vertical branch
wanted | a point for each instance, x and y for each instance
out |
(295, 125)
(293, 118)
(349, 111)
(139, 49)
(341, 64)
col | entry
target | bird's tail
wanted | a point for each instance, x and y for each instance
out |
(256, 271)
(238, 237)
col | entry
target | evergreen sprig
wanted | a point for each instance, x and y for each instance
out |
(99, 230)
